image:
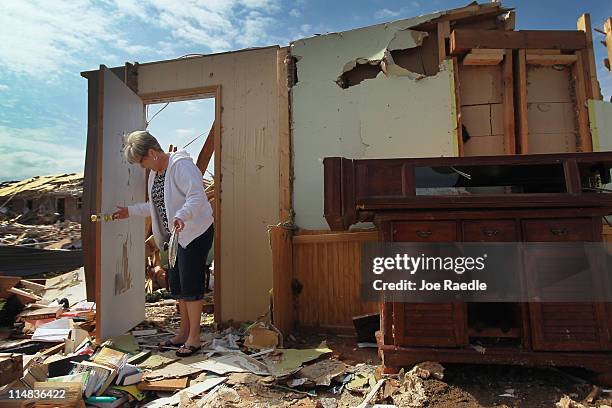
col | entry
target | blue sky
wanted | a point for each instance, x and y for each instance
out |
(44, 45)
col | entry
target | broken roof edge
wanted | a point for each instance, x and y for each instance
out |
(85, 74)
(418, 21)
(57, 183)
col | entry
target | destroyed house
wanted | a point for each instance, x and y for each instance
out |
(451, 84)
(45, 195)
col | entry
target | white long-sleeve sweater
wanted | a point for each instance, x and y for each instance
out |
(184, 198)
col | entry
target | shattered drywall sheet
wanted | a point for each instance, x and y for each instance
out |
(397, 113)
(600, 118)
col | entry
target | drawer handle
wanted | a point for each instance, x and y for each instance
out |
(423, 234)
(559, 231)
(490, 232)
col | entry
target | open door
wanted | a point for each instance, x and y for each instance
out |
(120, 253)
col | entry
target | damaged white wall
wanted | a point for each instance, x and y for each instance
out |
(396, 114)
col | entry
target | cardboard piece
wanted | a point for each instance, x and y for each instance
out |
(260, 337)
(232, 363)
(156, 361)
(292, 359)
(173, 370)
(322, 372)
(167, 384)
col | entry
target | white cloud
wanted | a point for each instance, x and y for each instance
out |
(4, 87)
(385, 13)
(46, 39)
(295, 13)
(36, 151)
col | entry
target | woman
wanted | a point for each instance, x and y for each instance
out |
(177, 201)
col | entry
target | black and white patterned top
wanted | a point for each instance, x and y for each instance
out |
(157, 195)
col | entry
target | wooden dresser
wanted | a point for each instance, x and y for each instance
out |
(530, 198)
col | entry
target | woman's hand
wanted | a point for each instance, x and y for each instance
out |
(121, 213)
(178, 224)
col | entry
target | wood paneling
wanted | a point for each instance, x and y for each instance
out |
(328, 267)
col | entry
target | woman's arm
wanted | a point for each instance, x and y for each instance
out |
(139, 209)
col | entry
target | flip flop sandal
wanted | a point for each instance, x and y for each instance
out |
(169, 343)
(190, 350)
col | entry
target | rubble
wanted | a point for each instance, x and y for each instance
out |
(59, 235)
(237, 367)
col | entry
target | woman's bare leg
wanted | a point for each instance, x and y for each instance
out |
(194, 310)
(183, 332)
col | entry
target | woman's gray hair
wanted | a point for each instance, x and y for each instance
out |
(137, 145)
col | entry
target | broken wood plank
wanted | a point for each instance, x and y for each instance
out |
(593, 91)
(33, 286)
(585, 144)
(550, 59)
(207, 150)
(510, 20)
(443, 34)
(521, 102)
(484, 57)
(508, 101)
(23, 296)
(284, 138)
(6, 283)
(11, 367)
(463, 40)
(168, 384)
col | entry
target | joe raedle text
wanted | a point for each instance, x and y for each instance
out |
(426, 286)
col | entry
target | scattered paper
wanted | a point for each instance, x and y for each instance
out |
(55, 331)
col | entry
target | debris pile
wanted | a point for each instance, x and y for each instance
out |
(51, 346)
(61, 235)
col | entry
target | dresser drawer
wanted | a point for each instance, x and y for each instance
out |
(490, 231)
(424, 231)
(560, 229)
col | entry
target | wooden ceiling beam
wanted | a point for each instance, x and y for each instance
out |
(463, 40)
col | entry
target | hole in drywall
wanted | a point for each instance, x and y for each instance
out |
(421, 60)
(358, 74)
